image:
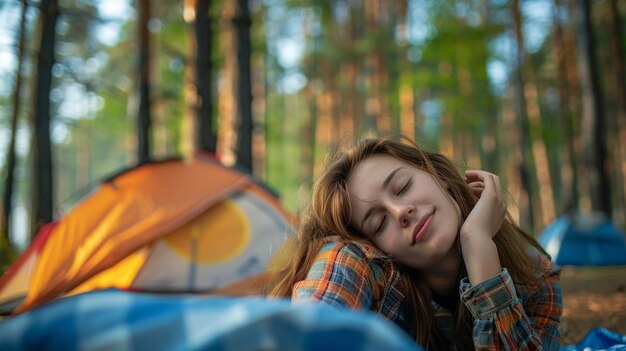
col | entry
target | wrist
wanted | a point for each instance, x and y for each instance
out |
(481, 258)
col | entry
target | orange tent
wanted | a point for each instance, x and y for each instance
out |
(172, 226)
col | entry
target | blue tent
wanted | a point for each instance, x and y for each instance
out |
(599, 339)
(584, 240)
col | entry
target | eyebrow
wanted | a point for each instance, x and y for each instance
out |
(386, 182)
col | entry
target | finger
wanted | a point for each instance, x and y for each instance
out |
(472, 176)
(477, 186)
(494, 182)
(475, 174)
(498, 185)
(478, 179)
(490, 184)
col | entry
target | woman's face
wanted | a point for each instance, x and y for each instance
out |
(404, 211)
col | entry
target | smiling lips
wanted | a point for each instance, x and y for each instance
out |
(422, 227)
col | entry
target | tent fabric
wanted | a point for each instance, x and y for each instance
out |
(599, 339)
(584, 240)
(120, 320)
(15, 281)
(190, 226)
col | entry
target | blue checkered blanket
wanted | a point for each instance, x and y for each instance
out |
(120, 320)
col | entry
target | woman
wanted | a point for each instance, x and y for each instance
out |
(399, 231)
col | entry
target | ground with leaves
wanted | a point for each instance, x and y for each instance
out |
(592, 297)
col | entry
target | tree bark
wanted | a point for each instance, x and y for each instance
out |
(546, 211)
(619, 131)
(144, 119)
(42, 153)
(528, 99)
(204, 41)
(526, 212)
(594, 133)
(393, 72)
(243, 86)
(568, 176)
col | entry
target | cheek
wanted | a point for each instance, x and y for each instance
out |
(381, 242)
(457, 208)
(388, 243)
(454, 211)
(458, 218)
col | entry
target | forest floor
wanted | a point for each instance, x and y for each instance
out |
(592, 297)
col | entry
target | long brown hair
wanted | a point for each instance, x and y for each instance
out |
(329, 215)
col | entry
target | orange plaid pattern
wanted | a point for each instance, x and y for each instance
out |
(506, 317)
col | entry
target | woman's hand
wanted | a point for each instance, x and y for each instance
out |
(487, 216)
(483, 222)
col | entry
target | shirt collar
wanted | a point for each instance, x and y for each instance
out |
(370, 251)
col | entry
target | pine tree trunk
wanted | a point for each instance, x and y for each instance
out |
(144, 120)
(526, 194)
(546, 211)
(243, 85)
(198, 130)
(489, 141)
(568, 174)
(204, 67)
(393, 73)
(266, 111)
(226, 94)
(619, 131)
(309, 127)
(42, 153)
(594, 133)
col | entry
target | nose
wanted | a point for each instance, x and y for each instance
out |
(403, 213)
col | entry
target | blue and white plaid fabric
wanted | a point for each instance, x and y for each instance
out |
(118, 320)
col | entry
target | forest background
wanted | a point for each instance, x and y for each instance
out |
(533, 90)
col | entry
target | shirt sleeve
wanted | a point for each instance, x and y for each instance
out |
(501, 322)
(340, 276)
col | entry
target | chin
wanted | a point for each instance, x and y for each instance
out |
(441, 251)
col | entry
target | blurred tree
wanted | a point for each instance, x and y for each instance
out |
(144, 118)
(396, 17)
(7, 203)
(618, 122)
(41, 195)
(490, 150)
(312, 89)
(568, 164)
(543, 200)
(174, 109)
(594, 119)
(258, 62)
(203, 36)
(243, 84)
(525, 162)
(198, 82)
(79, 56)
(454, 90)
(102, 135)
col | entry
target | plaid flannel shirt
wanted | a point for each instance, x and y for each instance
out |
(506, 317)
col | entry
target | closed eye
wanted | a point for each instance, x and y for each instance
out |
(381, 226)
(405, 187)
